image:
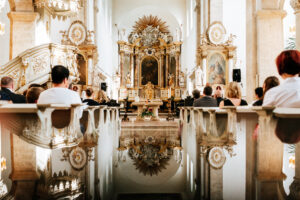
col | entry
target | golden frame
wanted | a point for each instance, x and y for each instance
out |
(210, 54)
(140, 70)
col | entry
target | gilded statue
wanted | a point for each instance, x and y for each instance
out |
(171, 80)
(128, 79)
(149, 90)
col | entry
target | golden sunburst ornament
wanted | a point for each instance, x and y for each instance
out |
(150, 20)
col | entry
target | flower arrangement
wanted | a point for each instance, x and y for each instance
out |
(147, 112)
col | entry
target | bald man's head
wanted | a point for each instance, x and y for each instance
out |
(7, 82)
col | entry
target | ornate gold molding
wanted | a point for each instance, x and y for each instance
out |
(295, 5)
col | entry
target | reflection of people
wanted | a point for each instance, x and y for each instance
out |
(216, 73)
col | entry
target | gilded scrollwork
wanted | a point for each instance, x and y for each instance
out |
(295, 4)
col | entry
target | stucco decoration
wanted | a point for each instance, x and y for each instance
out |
(216, 157)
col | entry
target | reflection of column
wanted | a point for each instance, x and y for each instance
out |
(131, 70)
(295, 186)
(167, 69)
(177, 69)
(121, 68)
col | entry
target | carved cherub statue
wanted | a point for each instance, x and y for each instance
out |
(230, 39)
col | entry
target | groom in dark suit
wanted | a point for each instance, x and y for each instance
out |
(6, 92)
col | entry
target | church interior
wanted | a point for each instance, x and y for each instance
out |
(143, 63)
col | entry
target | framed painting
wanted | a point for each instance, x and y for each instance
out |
(149, 71)
(217, 70)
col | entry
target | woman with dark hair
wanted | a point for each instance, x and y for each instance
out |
(89, 100)
(286, 94)
(270, 82)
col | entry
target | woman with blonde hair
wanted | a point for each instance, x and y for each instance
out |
(233, 96)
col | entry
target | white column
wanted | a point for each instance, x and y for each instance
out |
(204, 71)
(90, 71)
(230, 68)
(216, 10)
(89, 15)
(269, 41)
(296, 6)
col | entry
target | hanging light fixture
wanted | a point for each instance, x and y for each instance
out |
(60, 8)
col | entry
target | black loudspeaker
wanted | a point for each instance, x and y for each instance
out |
(103, 86)
(236, 75)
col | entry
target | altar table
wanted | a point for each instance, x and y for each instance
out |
(154, 105)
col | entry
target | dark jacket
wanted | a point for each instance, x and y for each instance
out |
(6, 94)
(205, 101)
(91, 102)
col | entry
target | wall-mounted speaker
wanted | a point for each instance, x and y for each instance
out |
(103, 86)
(236, 75)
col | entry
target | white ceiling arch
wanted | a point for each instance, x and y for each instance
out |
(127, 19)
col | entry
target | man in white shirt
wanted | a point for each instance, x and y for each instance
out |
(59, 93)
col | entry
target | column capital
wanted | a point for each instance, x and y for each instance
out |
(295, 5)
(271, 13)
(23, 16)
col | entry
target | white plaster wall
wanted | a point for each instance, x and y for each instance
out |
(234, 20)
(189, 46)
(4, 39)
(104, 33)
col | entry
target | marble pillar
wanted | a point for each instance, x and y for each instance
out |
(296, 6)
(215, 11)
(22, 37)
(269, 29)
(22, 32)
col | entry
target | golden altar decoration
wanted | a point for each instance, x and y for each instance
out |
(150, 55)
(216, 55)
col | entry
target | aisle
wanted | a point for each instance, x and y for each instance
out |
(149, 197)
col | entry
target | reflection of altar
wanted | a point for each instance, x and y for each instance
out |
(152, 104)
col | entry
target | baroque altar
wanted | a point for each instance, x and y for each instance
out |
(150, 55)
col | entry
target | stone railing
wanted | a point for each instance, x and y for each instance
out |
(57, 125)
(34, 65)
(57, 128)
(216, 130)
